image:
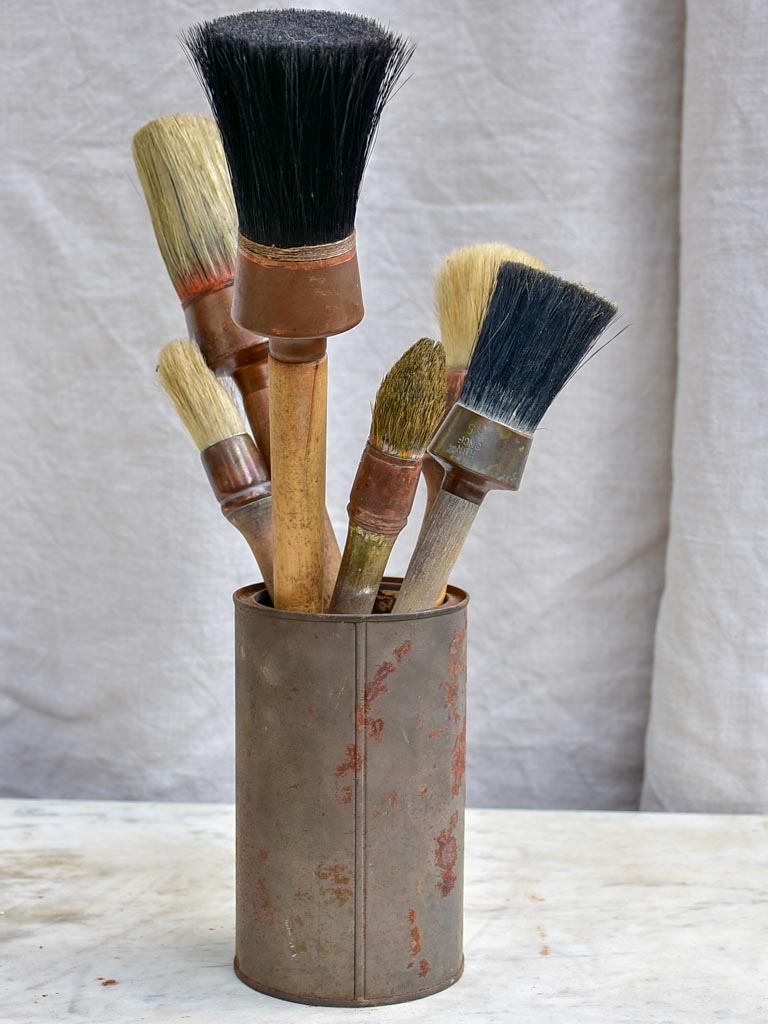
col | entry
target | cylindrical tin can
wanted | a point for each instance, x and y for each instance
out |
(350, 739)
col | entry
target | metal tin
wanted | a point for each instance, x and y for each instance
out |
(350, 741)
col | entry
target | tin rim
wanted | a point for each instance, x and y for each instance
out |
(250, 597)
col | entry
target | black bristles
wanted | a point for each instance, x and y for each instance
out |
(297, 96)
(535, 335)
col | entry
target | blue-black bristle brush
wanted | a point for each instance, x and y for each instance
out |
(537, 331)
(297, 96)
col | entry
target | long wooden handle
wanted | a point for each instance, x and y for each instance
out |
(433, 474)
(437, 549)
(297, 423)
(254, 521)
(256, 403)
(362, 566)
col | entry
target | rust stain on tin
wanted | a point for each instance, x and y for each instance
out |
(262, 903)
(436, 733)
(393, 800)
(353, 762)
(415, 933)
(544, 951)
(373, 688)
(338, 891)
(456, 666)
(424, 968)
(302, 895)
(446, 856)
(401, 651)
(263, 855)
(459, 760)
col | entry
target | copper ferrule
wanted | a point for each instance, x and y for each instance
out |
(225, 345)
(383, 492)
(312, 292)
(236, 471)
(479, 454)
(454, 382)
(292, 350)
(253, 376)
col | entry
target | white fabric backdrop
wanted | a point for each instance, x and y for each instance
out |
(708, 734)
(549, 128)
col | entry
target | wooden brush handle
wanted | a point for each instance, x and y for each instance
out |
(432, 471)
(332, 562)
(254, 521)
(256, 405)
(297, 418)
(439, 545)
(433, 474)
(362, 567)
(254, 388)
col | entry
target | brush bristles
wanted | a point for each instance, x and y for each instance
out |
(297, 96)
(410, 401)
(536, 333)
(204, 405)
(463, 288)
(181, 165)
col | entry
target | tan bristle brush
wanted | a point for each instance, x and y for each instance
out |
(463, 287)
(181, 165)
(232, 461)
(406, 413)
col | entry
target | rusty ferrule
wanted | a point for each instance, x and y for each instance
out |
(225, 345)
(236, 472)
(252, 376)
(382, 494)
(454, 382)
(311, 292)
(479, 454)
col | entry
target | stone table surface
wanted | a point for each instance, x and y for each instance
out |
(124, 912)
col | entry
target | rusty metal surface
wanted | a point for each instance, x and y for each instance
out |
(350, 744)
(236, 471)
(479, 454)
(297, 300)
(223, 343)
(383, 491)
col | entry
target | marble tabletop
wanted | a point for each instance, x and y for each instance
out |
(123, 912)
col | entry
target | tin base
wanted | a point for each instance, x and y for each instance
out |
(318, 1001)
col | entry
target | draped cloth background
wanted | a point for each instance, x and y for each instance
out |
(553, 129)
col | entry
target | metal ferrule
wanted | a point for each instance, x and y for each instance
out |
(236, 472)
(296, 299)
(382, 494)
(225, 345)
(479, 454)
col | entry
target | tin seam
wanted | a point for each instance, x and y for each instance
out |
(360, 808)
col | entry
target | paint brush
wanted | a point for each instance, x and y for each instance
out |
(537, 331)
(463, 288)
(232, 461)
(181, 165)
(406, 413)
(297, 96)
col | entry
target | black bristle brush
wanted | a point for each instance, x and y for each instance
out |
(537, 331)
(297, 96)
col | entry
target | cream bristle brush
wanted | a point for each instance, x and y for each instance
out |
(463, 288)
(232, 461)
(181, 165)
(406, 413)
(537, 331)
